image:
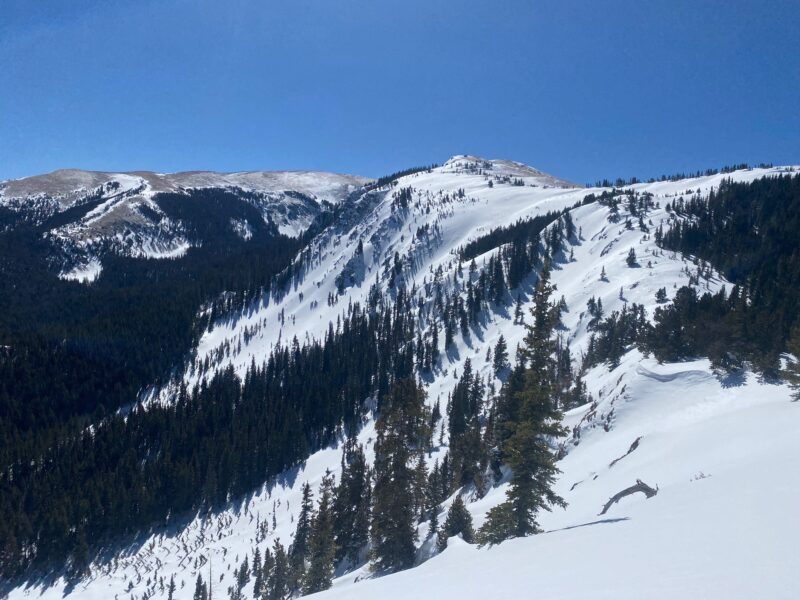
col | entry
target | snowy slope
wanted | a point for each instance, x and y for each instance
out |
(723, 525)
(710, 446)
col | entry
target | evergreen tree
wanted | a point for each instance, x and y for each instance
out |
(298, 551)
(519, 317)
(631, 258)
(464, 408)
(267, 569)
(458, 522)
(258, 574)
(321, 547)
(351, 506)
(526, 450)
(401, 432)
(792, 372)
(433, 522)
(171, 588)
(200, 589)
(500, 362)
(278, 587)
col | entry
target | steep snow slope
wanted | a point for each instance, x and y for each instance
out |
(447, 222)
(726, 461)
(691, 425)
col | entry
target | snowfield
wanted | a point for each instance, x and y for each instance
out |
(723, 452)
(724, 523)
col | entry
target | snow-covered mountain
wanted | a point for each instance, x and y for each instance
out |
(88, 213)
(723, 453)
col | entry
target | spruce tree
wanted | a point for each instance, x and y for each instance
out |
(351, 506)
(200, 589)
(792, 372)
(321, 547)
(298, 551)
(631, 258)
(267, 569)
(519, 316)
(258, 574)
(500, 355)
(458, 522)
(526, 450)
(401, 432)
(278, 585)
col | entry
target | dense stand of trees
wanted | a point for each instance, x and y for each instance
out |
(219, 440)
(621, 182)
(391, 179)
(748, 231)
(72, 353)
(226, 436)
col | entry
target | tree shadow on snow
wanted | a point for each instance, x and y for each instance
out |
(599, 522)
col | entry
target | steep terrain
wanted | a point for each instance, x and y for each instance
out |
(721, 448)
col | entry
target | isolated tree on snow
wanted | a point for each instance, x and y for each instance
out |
(500, 355)
(458, 522)
(631, 258)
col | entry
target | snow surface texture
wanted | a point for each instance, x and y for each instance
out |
(725, 455)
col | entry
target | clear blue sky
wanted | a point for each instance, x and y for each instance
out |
(584, 90)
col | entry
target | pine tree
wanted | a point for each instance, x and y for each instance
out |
(321, 547)
(458, 522)
(526, 450)
(171, 588)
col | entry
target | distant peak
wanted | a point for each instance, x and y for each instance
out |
(504, 167)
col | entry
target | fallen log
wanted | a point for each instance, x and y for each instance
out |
(639, 487)
(633, 447)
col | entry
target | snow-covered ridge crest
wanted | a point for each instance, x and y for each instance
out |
(122, 214)
(66, 184)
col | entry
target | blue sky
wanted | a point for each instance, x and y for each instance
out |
(584, 90)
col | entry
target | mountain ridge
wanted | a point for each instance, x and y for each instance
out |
(403, 242)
